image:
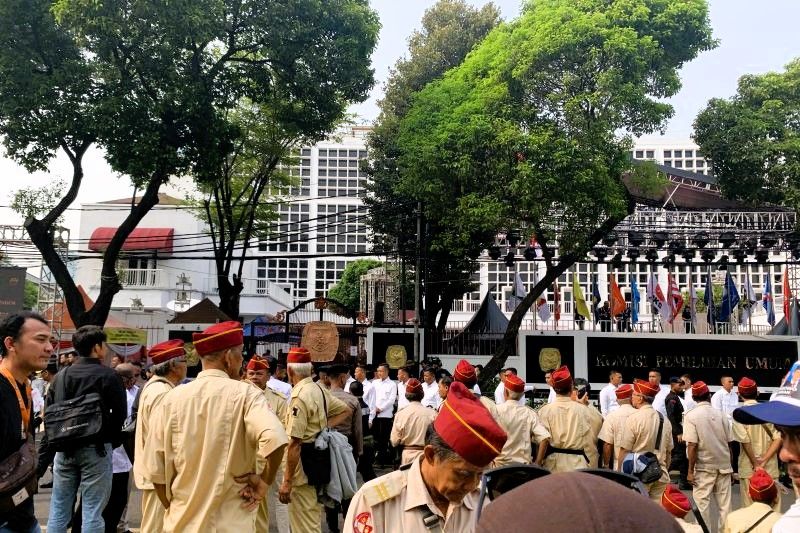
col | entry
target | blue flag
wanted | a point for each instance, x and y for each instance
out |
(730, 299)
(711, 312)
(767, 302)
(595, 299)
(635, 297)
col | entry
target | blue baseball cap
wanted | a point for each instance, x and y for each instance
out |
(783, 409)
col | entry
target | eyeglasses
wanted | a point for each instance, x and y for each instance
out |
(498, 481)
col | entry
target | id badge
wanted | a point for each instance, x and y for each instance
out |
(20, 496)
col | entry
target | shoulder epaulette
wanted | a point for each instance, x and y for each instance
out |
(385, 488)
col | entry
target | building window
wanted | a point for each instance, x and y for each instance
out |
(651, 154)
(639, 154)
(342, 164)
(668, 162)
(688, 153)
(341, 229)
(290, 233)
(689, 163)
(667, 153)
(286, 271)
(327, 274)
(678, 164)
(678, 153)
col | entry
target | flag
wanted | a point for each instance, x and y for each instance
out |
(692, 304)
(556, 301)
(615, 295)
(516, 296)
(730, 299)
(675, 301)
(635, 297)
(749, 300)
(595, 299)
(543, 309)
(711, 313)
(580, 302)
(656, 297)
(787, 297)
(768, 302)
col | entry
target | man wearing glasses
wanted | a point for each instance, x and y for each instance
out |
(783, 410)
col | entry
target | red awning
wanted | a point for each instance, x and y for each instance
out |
(140, 239)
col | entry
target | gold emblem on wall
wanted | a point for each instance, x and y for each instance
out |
(191, 354)
(396, 356)
(322, 340)
(549, 358)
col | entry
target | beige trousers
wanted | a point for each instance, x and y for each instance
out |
(706, 484)
(304, 510)
(152, 512)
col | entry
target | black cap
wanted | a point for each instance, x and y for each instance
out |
(675, 379)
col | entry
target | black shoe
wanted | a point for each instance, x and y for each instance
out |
(48, 485)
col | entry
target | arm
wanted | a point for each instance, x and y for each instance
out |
(607, 455)
(256, 486)
(772, 450)
(540, 453)
(292, 460)
(748, 450)
(622, 453)
(691, 453)
(357, 428)
(386, 401)
(604, 402)
(396, 434)
(161, 492)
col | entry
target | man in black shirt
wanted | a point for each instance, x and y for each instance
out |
(87, 468)
(26, 348)
(673, 403)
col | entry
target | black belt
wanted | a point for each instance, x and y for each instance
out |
(552, 449)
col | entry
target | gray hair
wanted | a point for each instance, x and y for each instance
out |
(302, 370)
(163, 369)
(514, 395)
(441, 449)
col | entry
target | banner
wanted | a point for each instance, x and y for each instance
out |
(126, 336)
(12, 290)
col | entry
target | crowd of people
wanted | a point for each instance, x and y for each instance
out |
(225, 450)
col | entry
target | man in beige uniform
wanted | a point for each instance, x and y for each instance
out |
(169, 369)
(411, 423)
(257, 373)
(465, 373)
(568, 423)
(707, 434)
(522, 425)
(218, 445)
(580, 395)
(438, 491)
(760, 515)
(760, 445)
(640, 434)
(614, 424)
(677, 504)
(304, 421)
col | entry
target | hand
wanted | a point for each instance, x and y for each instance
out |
(254, 490)
(690, 478)
(680, 438)
(285, 491)
(378, 410)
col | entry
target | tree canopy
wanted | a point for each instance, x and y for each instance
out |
(348, 289)
(753, 138)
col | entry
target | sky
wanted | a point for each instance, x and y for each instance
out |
(755, 37)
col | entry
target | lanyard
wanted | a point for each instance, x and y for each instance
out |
(23, 409)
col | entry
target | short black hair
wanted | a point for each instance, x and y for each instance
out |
(12, 325)
(357, 389)
(447, 380)
(86, 338)
(384, 365)
(512, 370)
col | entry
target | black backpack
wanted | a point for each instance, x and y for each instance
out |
(73, 423)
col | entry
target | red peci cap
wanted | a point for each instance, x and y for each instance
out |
(676, 502)
(257, 363)
(644, 388)
(699, 388)
(413, 386)
(468, 427)
(515, 383)
(218, 337)
(561, 377)
(465, 373)
(762, 487)
(624, 392)
(164, 351)
(298, 354)
(747, 386)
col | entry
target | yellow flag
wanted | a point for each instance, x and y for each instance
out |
(580, 303)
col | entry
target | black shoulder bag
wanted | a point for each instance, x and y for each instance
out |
(650, 469)
(73, 423)
(317, 463)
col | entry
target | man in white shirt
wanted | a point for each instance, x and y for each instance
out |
(385, 396)
(402, 378)
(430, 390)
(548, 378)
(275, 384)
(369, 391)
(727, 400)
(688, 401)
(659, 403)
(608, 396)
(499, 392)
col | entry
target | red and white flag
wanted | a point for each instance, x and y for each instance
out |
(675, 301)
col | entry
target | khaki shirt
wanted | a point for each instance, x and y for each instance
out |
(410, 425)
(149, 400)
(590, 446)
(490, 405)
(743, 519)
(209, 431)
(305, 417)
(351, 427)
(522, 425)
(398, 502)
(568, 423)
(708, 428)
(277, 403)
(613, 427)
(759, 438)
(640, 432)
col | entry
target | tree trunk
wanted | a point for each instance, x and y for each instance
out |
(229, 295)
(446, 305)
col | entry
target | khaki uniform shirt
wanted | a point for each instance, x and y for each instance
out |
(708, 428)
(742, 519)
(490, 405)
(568, 423)
(759, 438)
(613, 426)
(351, 427)
(398, 502)
(209, 431)
(277, 403)
(522, 425)
(306, 417)
(410, 425)
(150, 399)
(640, 432)
(590, 446)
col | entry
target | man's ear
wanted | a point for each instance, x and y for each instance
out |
(429, 454)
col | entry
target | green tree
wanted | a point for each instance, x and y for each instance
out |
(153, 85)
(31, 295)
(532, 127)
(348, 289)
(753, 138)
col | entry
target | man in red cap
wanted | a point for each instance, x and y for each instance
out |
(197, 478)
(707, 434)
(760, 444)
(465, 373)
(760, 515)
(169, 369)
(614, 424)
(306, 418)
(642, 431)
(568, 423)
(522, 425)
(436, 492)
(677, 504)
(411, 423)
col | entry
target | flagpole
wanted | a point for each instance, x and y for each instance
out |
(536, 302)
(750, 309)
